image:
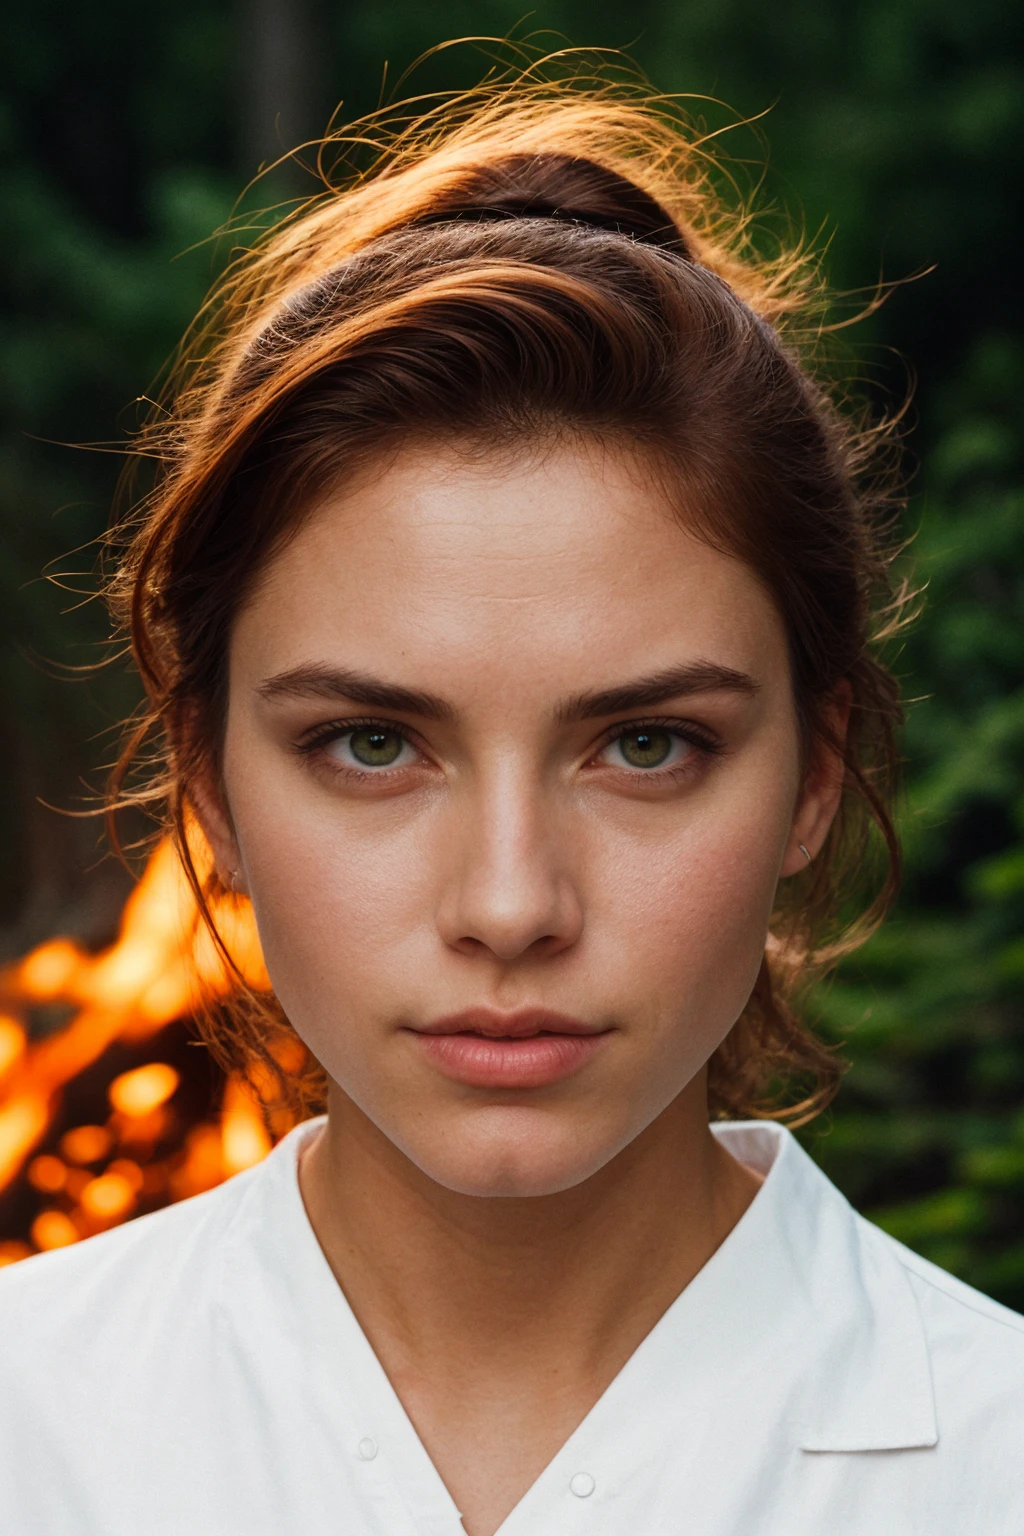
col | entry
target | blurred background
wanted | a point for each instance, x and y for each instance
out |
(128, 133)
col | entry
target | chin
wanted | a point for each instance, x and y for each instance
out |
(512, 1154)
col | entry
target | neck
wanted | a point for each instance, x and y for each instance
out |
(445, 1282)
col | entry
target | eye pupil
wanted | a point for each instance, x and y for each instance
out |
(375, 748)
(645, 749)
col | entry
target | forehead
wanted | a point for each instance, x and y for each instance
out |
(446, 558)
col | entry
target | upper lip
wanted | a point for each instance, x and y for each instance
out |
(517, 1025)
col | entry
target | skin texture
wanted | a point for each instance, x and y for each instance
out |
(507, 1248)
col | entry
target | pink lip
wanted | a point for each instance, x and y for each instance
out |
(530, 1048)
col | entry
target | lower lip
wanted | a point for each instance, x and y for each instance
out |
(534, 1062)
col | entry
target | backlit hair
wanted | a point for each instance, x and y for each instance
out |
(535, 258)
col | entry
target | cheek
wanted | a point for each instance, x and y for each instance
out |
(688, 911)
(335, 908)
(339, 893)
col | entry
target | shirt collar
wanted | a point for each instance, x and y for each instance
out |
(804, 1303)
(838, 1290)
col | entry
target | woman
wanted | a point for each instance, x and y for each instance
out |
(507, 609)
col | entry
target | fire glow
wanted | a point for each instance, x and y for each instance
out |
(140, 1152)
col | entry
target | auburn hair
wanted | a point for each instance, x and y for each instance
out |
(540, 256)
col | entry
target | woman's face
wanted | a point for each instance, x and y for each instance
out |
(513, 770)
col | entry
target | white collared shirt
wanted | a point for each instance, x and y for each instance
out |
(199, 1373)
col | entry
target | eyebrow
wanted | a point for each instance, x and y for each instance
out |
(643, 692)
(320, 682)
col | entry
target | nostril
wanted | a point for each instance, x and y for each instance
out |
(511, 947)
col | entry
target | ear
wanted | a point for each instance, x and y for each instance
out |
(214, 818)
(822, 787)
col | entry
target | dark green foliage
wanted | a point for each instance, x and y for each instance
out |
(126, 134)
(928, 1133)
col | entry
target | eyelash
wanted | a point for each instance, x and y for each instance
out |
(323, 735)
(705, 743)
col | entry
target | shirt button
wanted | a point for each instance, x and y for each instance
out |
(366, 1449)
(582, 1485)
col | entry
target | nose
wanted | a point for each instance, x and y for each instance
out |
(509, 889)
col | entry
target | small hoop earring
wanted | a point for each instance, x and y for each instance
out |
(232, 878)
(803, 850)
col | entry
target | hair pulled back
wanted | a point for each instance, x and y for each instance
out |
(536, 258)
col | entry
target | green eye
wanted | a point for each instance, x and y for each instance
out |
(645, 749)
(375, 748)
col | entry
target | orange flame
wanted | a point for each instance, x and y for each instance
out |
(244, 1139)
(148, 978)
(140, 1092)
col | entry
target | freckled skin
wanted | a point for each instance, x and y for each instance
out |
(507, 866)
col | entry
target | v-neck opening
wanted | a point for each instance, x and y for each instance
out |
(383, 1417)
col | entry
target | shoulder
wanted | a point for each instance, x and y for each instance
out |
(960, 1306)
(98, 1288)
(975, 1345)
(104, 1342)
(951, 1309)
